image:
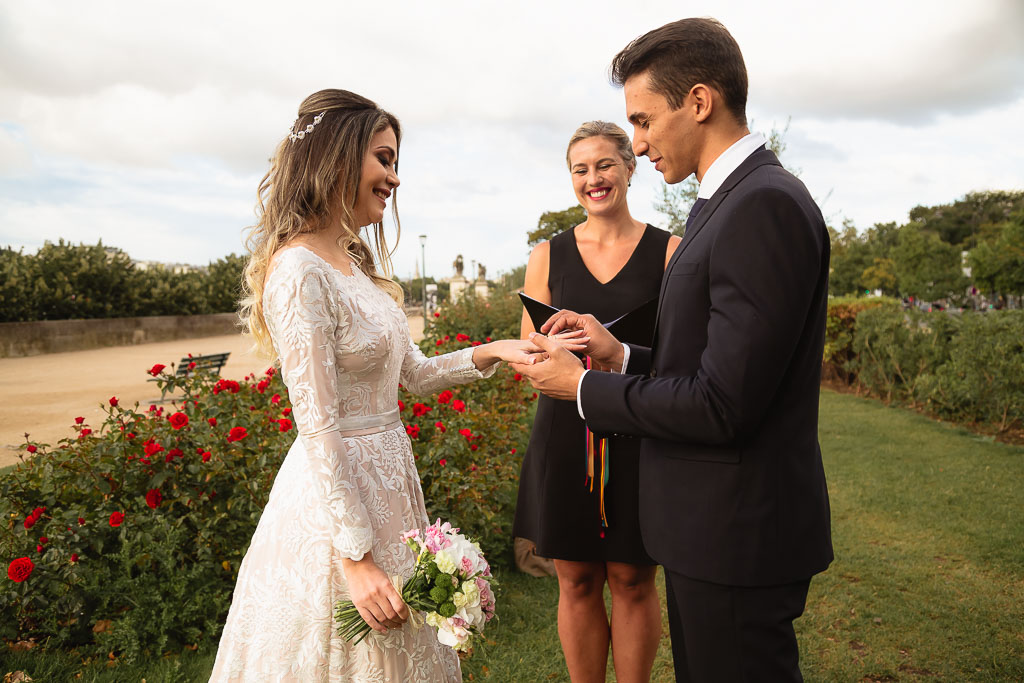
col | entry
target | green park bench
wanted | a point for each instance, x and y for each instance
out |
(190, 365)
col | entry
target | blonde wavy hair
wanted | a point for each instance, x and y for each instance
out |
(312, 184)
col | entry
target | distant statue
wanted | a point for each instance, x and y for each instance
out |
(481, 272)
(457, 264)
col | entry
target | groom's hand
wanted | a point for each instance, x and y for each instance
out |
(557, 375)
(602, 346)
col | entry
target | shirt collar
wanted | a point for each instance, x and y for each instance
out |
(727, 162)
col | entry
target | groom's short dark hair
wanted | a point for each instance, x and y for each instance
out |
(679, 55)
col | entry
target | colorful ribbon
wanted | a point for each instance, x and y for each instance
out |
(597, 450)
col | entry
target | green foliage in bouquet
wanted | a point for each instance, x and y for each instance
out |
(127, 536)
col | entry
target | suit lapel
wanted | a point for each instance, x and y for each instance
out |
(759, 158)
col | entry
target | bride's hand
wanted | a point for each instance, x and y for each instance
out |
(523, 350)
(373, 594)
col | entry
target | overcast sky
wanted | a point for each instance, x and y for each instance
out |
(149, 124)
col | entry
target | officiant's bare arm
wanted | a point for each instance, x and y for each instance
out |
(536, 285)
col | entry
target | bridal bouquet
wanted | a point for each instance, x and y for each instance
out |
(450, 584)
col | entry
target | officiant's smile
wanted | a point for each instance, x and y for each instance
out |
(599, 175)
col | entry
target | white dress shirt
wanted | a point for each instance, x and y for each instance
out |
(720, 169)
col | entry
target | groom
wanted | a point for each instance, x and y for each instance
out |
(733, 497)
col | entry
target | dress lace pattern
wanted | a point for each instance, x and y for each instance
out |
(347, 486)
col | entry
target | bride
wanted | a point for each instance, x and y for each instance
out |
(348, 486)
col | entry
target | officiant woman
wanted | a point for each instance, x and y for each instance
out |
(578, 493)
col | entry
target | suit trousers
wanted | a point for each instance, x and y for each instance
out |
(734, 634)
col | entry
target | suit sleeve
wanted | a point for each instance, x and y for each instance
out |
(763, 268)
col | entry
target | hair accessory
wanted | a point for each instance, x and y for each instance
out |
(308, 129)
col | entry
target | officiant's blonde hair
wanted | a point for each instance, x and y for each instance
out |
(312, 183)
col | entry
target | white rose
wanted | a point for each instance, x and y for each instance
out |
(460, 600)
(471, 592)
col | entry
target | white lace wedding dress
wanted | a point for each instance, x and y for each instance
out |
(347, 486)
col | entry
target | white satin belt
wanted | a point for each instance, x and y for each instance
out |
(360, 425)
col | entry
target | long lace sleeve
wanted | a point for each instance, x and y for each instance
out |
(422, 375)
(301, 312)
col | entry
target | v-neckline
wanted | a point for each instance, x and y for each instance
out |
(579, 255)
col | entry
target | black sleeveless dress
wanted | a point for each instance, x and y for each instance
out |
(556, 508)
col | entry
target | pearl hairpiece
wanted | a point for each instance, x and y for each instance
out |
(308, 129)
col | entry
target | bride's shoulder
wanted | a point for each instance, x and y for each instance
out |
(294, 262)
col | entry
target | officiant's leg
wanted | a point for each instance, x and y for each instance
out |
(582, 619)
(736, 633)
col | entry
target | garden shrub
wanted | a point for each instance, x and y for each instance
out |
(839, 357)
(126, 537)
(983, 380)
(897, 350)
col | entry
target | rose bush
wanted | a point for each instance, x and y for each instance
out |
(126, 537)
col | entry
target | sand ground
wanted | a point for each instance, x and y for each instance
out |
(42, 395)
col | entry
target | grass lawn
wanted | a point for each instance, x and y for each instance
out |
(928, 582)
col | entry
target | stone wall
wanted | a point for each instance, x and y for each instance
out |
(53, 336)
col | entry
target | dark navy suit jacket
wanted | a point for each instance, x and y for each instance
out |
(726, 400)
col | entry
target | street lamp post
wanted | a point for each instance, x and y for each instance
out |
(423, 254)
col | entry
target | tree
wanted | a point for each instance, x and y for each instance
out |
(927, 267)
(970, 219)
(674, 201)
(552, 223)
(223, 283)
(997, 264)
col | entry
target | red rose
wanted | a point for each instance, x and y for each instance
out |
(440, 426)
(513, 451)
(178, 420)
(113, 401)
(116, 518)
(153, 498)
(172, 454)
(461, 337)
(31, 449)
(252, 407)
(444, 396)
(206, 456)
(152, 448)
(270, 372)
(436, 314)
(79, 420)
(439, 342)
(37, 513)
(517, 377)
(44, 540)
(401, 405)
(84, 433)
(488, 339)
(413, 431)
(285, 423)
(442, 462)
(157, 369)
(420, 409)
(275, 399)
(472, 468)
(446, 337)
(233, 386)
(30, 522)
(39, 548)
(475, 343)
(74, 557)
(130, 435)
(20, 569)
(458, 406)
(262, 385)
(237, 434)
(212, 421)
(286, 412)
(466, 433)
(473, 447)
(534, 394)
(81, 521)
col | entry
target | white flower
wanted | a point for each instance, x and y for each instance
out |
(460, 600)
(472, 593)
(453, 636)
(445, 562)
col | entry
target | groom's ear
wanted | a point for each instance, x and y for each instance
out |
(701, 99)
